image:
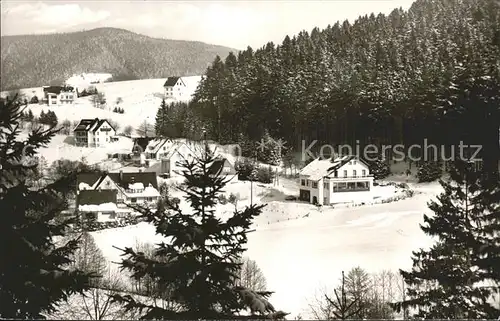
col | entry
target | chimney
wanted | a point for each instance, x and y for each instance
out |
(121, 175)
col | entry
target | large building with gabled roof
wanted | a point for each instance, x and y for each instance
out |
(94, 133)
(343, 179)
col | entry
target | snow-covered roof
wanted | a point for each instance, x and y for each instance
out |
(136, 186)
(123, 180)
(87, 179)
(149, 191)
(319, 168)
(104, 207)
(155, 145)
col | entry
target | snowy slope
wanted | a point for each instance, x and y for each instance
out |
(299, 255)
(140, 100)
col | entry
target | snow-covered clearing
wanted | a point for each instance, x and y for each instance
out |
(301, 253)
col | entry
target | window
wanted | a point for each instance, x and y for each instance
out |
(326, 186)
(303, 182)
(149, 199)
(345, 173)
(354, 173)
(363, 172)
(133, 200)
(324, 200)
(314, 184)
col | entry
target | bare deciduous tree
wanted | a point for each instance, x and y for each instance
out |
(251, 276)
(372, 294)
(66, 127)
(99, 100)
(145, 130)
(150, 289)
(128, 130)
(96, 303)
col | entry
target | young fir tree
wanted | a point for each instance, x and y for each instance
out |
(447, 280)
(429, 172)
(32, 278)
(200, 262)
(161, 119)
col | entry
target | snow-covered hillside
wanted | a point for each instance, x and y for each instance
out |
(140, 100)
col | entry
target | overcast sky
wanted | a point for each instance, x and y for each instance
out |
(235, 24)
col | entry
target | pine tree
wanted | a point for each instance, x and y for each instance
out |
(161, 119)
(446, 280)
(379, 169)
(43, 117)
(51, 118)
(201, 262)
(429, 172)
(32, 278)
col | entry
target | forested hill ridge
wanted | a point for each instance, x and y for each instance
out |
(36, 60)
(429, 72)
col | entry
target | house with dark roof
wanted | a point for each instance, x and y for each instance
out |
(221, 166)
(131, 188)
(87, 181)
(94, 133)
(59, 95)
(181, 88)
(344, 179)
(175, 88)
(158, 148)
(99, 205)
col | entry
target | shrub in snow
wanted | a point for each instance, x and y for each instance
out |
(246, 170)
(379, 169)
(233, 198)
(265, 175)
(269, 150)
(429, 172)
(222, 199)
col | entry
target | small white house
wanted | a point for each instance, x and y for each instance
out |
(94, 133)
(158, 148)
(171, 163)
(59, 95)
(342, 180)
(181, 88)
(175, 88)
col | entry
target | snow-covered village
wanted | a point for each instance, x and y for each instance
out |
(279, 160)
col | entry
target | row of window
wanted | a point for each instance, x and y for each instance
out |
(147, 199)
(305, 182)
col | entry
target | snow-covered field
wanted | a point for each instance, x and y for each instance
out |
(140, 101)
(301, 253)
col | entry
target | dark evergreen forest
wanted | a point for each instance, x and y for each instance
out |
(432, 72)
